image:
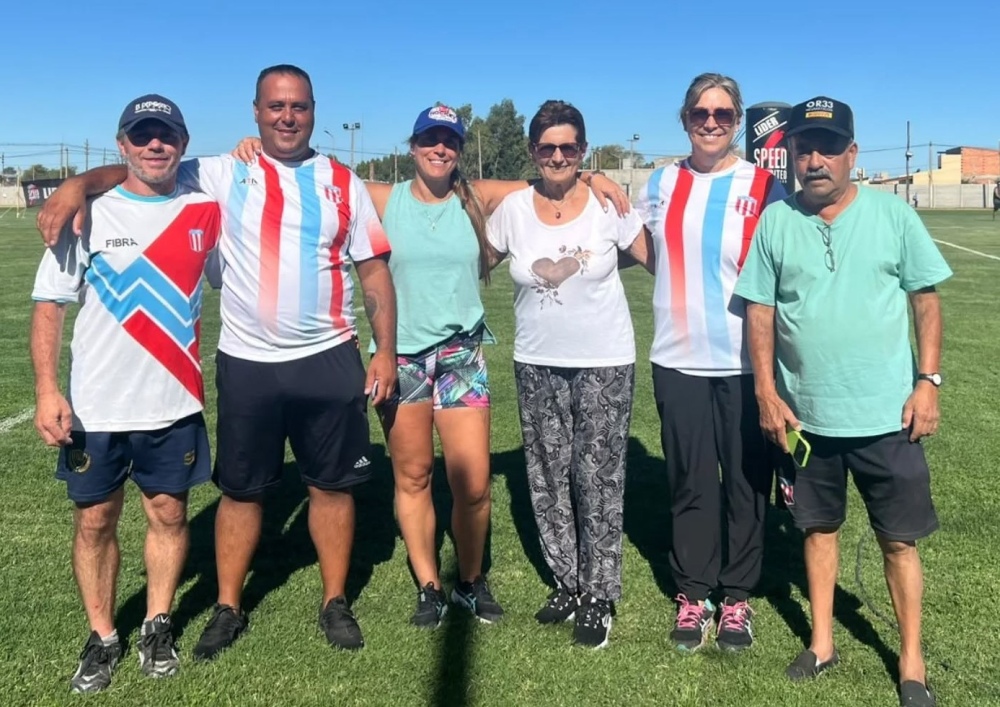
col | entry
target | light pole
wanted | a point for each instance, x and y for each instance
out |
(333, 142)
(631, 162)
(352, 127)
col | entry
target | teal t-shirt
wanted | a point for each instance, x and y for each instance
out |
(844, 362)
(435, 269)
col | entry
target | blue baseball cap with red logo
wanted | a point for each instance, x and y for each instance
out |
(439, 117)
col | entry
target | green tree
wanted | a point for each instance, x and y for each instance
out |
(40, 171)
(504, 145)
(390, 168)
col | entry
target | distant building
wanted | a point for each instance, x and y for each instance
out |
(959, 165)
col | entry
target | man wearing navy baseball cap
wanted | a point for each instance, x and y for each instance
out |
(821, 113)
(828, 278)
(133, 405)
(152, 107)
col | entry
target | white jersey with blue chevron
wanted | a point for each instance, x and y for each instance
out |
(702, 225)
(136, 271)
(290, 232)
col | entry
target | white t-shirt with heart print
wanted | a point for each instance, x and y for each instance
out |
(569, 304)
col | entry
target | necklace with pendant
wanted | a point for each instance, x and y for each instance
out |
(432, 222)
(558, 206)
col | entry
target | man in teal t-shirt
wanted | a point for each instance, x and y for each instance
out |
(827, 281)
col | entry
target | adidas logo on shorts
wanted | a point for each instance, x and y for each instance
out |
(361, 463)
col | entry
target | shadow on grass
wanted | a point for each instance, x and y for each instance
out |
(511, 466)
(784, 568)
(647, 513)
(285, 547)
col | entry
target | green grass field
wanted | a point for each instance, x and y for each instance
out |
(284, 659)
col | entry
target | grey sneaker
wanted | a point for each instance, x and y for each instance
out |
(97, 662)
(157, 652)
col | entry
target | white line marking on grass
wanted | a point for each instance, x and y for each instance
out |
(968, 250)
(7, 424)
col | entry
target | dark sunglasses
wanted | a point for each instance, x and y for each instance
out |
(724, 117)
(143, 134)
(569, 150)
(433, 139)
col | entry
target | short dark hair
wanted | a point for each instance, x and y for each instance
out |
(287, 70)
(552, 113)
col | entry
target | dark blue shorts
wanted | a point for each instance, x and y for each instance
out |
(169, 460)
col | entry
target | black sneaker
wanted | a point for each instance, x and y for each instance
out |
(593, 622)
(735, 631)
(560, 607)
(97, 662)
(692, 625)
(225, 626)
(157, 652)
(432, 605)
(477, 598)
(340, 626)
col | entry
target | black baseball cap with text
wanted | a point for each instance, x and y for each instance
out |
(821, 113)
(152, 106)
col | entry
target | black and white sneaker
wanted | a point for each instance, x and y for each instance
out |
(226, 625)
(97, 662)
(477, 598)
(560, 606)
(157, 652)
(339, 625)
(593, 622)
(432, 605)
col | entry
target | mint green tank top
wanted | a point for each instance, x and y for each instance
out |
(435, 269)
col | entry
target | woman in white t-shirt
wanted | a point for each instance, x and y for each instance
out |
(574, 362)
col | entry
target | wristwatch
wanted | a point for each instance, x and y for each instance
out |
(934, 378)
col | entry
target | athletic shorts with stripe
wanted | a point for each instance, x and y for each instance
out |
(317, 403)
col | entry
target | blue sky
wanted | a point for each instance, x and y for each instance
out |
(70, 67)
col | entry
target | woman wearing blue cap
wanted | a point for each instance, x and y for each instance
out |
(436, 226)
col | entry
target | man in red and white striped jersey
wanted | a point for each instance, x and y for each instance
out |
(288, 368)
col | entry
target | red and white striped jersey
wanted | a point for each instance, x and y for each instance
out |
(290, 232)
(702, 225)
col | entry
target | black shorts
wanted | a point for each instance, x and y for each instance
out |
(173, 460)
(317, 403)
(889, 471)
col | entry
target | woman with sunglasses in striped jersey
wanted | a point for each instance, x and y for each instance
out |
(700, 214)
(435, 224)
(574, 364)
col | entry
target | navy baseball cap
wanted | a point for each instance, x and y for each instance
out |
(821, 113)
(439, 116)
(152, 106)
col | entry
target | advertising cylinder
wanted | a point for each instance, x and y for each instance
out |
(766, 146)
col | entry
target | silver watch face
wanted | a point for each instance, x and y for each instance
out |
(934, 378)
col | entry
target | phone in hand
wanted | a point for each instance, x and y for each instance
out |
(798, 447)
